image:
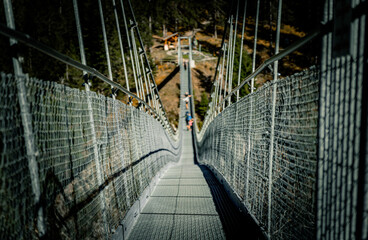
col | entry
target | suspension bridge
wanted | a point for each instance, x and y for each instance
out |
(287, 161)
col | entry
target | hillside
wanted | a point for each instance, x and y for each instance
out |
(202, 73)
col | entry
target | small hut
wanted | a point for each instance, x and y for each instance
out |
(171, 41)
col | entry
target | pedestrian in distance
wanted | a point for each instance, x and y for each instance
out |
(190, 124)
(188, 120)
(186, 100)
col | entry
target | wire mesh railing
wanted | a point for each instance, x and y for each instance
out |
(83, 193)
(75, 161)
(342, 197)
(236, 143)
(295, 151)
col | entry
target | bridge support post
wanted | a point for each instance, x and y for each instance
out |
(20, 77)
(251, 103)
(272, 134)
(90, 113)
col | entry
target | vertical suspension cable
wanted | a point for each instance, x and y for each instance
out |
(137, 67)
(86, 84)
(161, 107)
(228, 59)
(233, 52)
(221, 76)
(217, 87)
(251, 104)
(277, 48)
(105, 43)
(80, 36)
(274, 89)
(241, 48)
(28, 134)
(228, 62)
(113, 96)
(153, 96)
(144, 72)
(130, 47)
(217, 70)
(255, 46)
(223, 39)
(121, 45)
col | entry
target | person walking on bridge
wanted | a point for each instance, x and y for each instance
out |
(189, 121)
(186, 100)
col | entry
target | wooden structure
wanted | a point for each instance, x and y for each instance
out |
(171, 41)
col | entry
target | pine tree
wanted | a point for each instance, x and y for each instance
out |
(246, 69)
(202, 106)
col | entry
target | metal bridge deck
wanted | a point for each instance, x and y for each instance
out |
(189, 203)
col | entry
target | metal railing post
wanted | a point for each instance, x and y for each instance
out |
(90, 113)
(25, 113)
(272, 134)
(251, 103)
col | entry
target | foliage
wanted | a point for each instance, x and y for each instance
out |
(246, 69)
(181, 15)
(53, 24)
(201, 108)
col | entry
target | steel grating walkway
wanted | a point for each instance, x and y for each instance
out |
(189, 203)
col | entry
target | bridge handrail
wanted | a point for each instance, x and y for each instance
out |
(319, 31)
(31, 42)
(293, 47)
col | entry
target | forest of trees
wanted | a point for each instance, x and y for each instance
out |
(53, 23)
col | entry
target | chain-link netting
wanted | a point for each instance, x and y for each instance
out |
(343, 167)
(237, 143)
(15, 183)
(95, 157)
(342, 198)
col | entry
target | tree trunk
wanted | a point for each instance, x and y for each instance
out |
(66, 74)
(150, 23)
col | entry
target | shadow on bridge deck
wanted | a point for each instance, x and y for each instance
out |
(236, 224)
(189, 203)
